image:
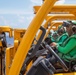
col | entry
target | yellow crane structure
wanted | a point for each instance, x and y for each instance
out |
(23, 39)
(32, 29)
(18, 34)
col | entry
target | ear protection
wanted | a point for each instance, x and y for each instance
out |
(61, 30)
(74, 28)
(73, 25)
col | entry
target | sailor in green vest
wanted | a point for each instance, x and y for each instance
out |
(67, 51)
(54, 37)
(63, 35)
(59, 37)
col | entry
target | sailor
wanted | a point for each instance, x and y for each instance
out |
(63, 35)
(67, 51)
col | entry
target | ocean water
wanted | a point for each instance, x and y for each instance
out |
(10, 41)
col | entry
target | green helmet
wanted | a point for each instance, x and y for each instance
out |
(73, 22)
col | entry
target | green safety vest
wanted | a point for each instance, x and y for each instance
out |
(72, 54)
(62, 38)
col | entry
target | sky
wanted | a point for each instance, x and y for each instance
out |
(19, 13)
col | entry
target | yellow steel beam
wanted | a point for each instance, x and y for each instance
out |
(7, 63)
(61, 17)
(64, 8)
(9, 59)
(60, 8)
(6, 29)
(18, 34)
(29, 36)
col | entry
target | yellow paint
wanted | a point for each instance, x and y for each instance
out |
(18, 35)
(61, 17)
(0, 43)
(9, 57)
(16, 44)
(60, 9)
(6, 29)
(10, 51)
(29, 36)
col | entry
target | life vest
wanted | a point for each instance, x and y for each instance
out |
(67, 57)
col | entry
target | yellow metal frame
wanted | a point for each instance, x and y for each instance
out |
(10, 52)
(29, 36)
(61, 17)
(7, 29)
(9, 58)
(71, 9)
(58, 17)
(61, 8)
(18, 35)
(18, 38)
(55, 17)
